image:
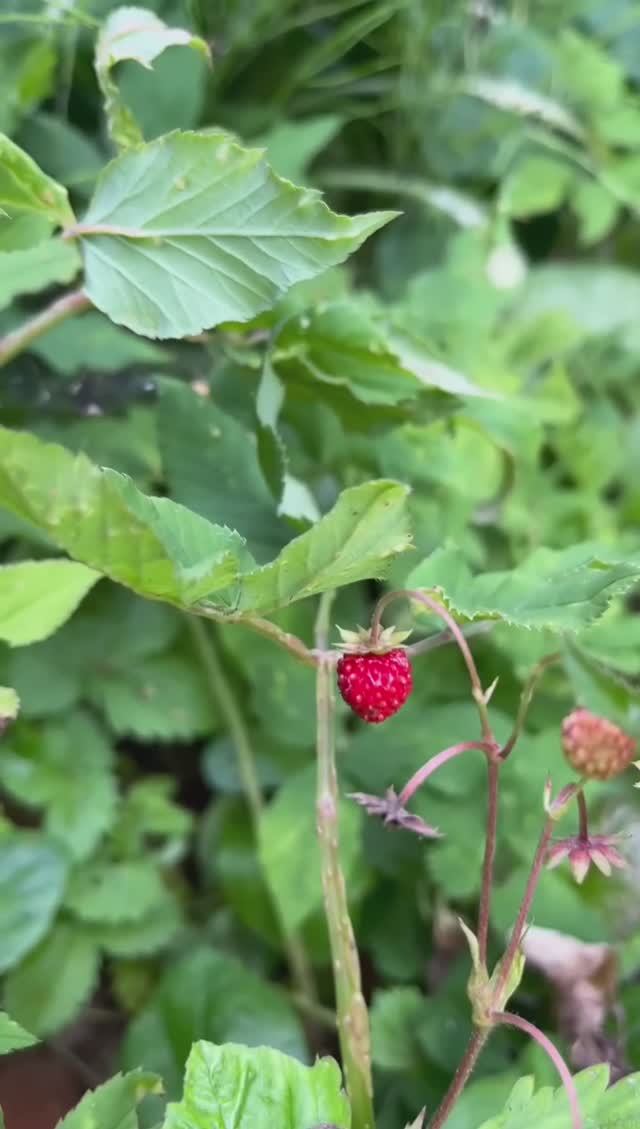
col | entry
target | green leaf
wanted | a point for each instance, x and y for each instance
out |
(289, 849)
(30, 270)
(13, 1037)
(564, 590)
(396, 1014)
(164, 698)
(275, 1090)
(57, 768)
(145, 937)
(292, 145)
(114, 892)
(182, 254)
(211, 465)
(152, 545)
(50, 986)
(367, 527)
(209, 994)
(113, 1105)
(9, 705)
(138, 34)
(25, 188)
(68, 154)
(601, 1108)
(92, 341)
(515, 98)
(36, 597)
(32, 877)
(537, 184)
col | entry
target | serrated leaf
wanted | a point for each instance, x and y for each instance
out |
(545, 1108)
(563, 590)
(163, 698)
(113, 1105)
(57, 768)
(152, 545)
(366, 528)
(114, 893)
(36, 597)
(50, 986)
(33, 872)
(211, 466)
(30, 270)
(25, 188)
(140, 35)
(275, 1090)
(209, 235)
(211, 994)
(13, 1037)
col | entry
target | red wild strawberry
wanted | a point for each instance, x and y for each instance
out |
(374, 678)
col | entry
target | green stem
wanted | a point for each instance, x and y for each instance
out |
(226, 703)
(264, 627)
(353, 1017)
(19, 339)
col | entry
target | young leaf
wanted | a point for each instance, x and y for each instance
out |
(138, 34)
(275, 1090)
(36, 597)
(34, 268)
(25, 188)
(192, 230)
(33, 872)
(564, 590)
(368, 525)
(13, 1037)
(50, 986)
(113, 1105)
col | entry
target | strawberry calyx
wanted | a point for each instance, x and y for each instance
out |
(364, 642)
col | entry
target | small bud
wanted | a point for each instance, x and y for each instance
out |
(556, 808)
(596, 747)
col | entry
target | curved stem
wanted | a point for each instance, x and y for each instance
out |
(432, 642)
(458, 635)
(436, 762)
(226, 703)
(527, 900)
(19, 339)
(352, 1014)
(525, 700)
(461, 1077)
(484, 912)
(508, 1019)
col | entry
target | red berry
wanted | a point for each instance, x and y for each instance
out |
(375, 685)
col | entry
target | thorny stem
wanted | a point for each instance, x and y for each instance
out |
(436, 762)
(225, 701)
(583, 816)
(508, 1019)
(353, 1018)
(525, 700)
(19, 339)
(517, 932)
(458, 635)
(484, 911)
(461, 1077)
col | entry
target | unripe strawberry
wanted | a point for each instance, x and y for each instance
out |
(375, 676)
(596, 747)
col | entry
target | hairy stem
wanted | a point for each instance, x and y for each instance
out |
(225, 701)
(517, 932)
(525, 700)
(19, 339)
(353, 1018)
(510, 1020)
(484, 912)
(461, 1077)
(436, 762)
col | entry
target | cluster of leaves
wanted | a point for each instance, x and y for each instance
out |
(481, 350)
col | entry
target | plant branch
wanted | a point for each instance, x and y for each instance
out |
(19, 339)
(484, 912)
(264, 627)
(508, 1019)
(424, 646)
(353, 1018)
(517, 932)
(436, 762)
(525, 700)
(461, 1077)
(226, 703)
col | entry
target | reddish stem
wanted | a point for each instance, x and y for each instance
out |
(523, 913)
(583, 815)
(461, 1077)
(491, 837)
(509, 1020)
(436, 762)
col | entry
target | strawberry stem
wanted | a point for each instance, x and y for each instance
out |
(352, 1014)
(436, 762)
(506, 1018)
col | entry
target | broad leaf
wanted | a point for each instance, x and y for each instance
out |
(545, 1108)
(32, 269)
(32, 876)
(113, 1105)
(114, 892)
(564, 590)
(92, 341)
(396, 1015)
(138, 34)
(209, 994)
(13, 1037)
(50, 986)
(367, 527)
(193, 230)
(165, 698)
(25, 188)
(144, 937)
(275, 1090)
(36, 597)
